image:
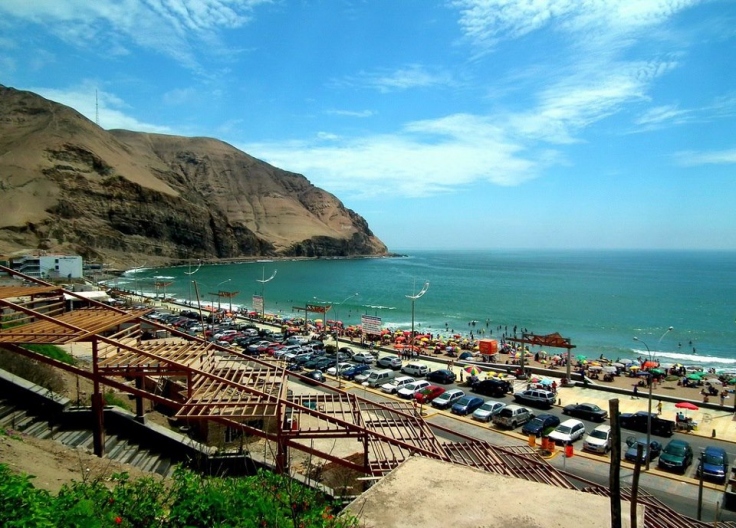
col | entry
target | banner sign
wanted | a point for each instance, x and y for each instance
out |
(371, 325)
(318, 308)
(258, 303)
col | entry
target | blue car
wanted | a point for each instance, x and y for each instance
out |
(541, 425)
(714, 464)
(466, 405)
(351, 372)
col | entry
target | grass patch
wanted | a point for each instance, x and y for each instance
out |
(111, 398)
(53, 352)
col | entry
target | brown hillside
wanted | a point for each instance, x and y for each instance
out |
(122, 197)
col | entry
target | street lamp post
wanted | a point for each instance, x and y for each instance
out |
(337, 339)
(336, 333)
(649, 414)
(263, 282)
(413, 298)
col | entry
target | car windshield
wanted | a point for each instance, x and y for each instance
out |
(487, 406)
(536, 422)
(463, 401)
(676, 450)
(564, 429)
(714, 460)
(599, 434)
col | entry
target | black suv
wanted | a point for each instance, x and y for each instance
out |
(638, 422)
(492, 387)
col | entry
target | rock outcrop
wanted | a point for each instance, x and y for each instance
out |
(121, 196)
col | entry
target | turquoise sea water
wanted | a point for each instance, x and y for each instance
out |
(598, 299)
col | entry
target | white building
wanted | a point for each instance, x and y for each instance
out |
(50, 266)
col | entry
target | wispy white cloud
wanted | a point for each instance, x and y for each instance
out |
(113, 112)
(662, 115)
(693, 158)
(406, 78)
(352, 113)
(169, 27)
(425, 158)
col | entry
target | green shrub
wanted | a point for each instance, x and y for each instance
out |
(263, 500)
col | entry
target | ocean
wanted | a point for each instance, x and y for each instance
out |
(600, 300)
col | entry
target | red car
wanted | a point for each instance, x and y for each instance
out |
(428, 394)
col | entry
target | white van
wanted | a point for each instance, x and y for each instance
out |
(379, 377)
(415, 369)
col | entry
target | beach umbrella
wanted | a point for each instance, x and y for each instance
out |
(657, 371)
(581, 357)
(687, 405)
(619, 365)
(626, 361)
(649, 364)
(634, 367)
(473, 370)
(695, 376)
(546, 382)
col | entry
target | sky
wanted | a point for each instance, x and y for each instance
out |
(453, 124)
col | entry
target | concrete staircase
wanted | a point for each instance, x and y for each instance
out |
(118, 448)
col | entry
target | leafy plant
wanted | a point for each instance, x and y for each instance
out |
(263, 500)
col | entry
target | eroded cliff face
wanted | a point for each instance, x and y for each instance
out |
(127, 197)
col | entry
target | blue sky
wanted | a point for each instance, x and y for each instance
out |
(446, 124)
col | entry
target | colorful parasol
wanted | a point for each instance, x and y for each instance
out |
(473, 370)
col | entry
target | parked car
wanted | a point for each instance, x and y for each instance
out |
(536, 397)
(323, 363)
(360, 378)
(568, 431)
(653, 451)
(379, 377)
(393, 386)
(408, 391)
(347, 350)
(314, 377)
(391, 362)
(363, 357)
(598, 440)
(415, 369)
(713, 464)
(353, 371)
(427, 394)
(492, 387)
(485, 412)
(342, 365)
(441, 376)
(638, 422)
(677, 456)
(466, 405)
(586, 411)
(447, 398)
(512, 416)
(541, 425)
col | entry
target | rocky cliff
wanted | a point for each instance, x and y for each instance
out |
(126, 197)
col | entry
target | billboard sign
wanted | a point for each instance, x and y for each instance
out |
(371, 325)
(258, 303)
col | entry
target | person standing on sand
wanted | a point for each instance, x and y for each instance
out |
(635, 395)
(659, 407)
